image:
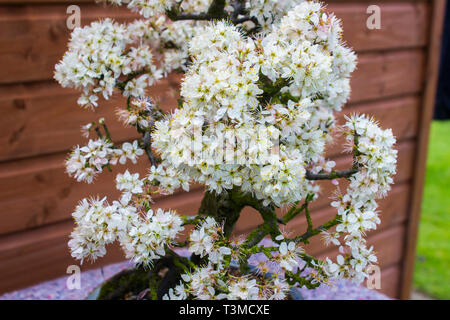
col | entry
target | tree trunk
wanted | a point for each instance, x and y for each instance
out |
(222, 208)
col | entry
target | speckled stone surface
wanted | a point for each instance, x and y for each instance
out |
(57, 289)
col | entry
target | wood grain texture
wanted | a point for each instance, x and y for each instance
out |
(34, 38)
(390, 281)
(27, 31)
(48, 120)
(426, 116)
(384, 75)
(38, 255)
(401, 115)
(36, 195)
(391, 240)
(401, 24)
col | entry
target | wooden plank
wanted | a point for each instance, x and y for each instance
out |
(380, 76)
(41, 120)
(401, 115)
(28, 31)
(402, 25)
(39, 255)
(47, 121)
(34, 38)
(426, 116)
(35, 195)
(390, 281)
(35, 192)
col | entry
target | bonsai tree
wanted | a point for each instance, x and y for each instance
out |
(262, 82)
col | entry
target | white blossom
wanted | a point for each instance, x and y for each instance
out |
(357, 209)
(255, 113)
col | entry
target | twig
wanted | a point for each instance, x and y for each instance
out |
(308, 217)
(122, 84)
(330, 176)
(97, 130)
(105, 127)
(238, 8)
(294, 210)
(215, 11)
(256, 236)
(148, 148)
(310, 233)
(191, 219)
(191, 16)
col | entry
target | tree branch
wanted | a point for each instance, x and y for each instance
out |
(256, 236)
(238, 8)
(330, 176)
(193, 220)
(308, 217)
(190, 16)
(215, 11)
(294, 210)
(217, 8)
(310, 233)
(147, 139)
(267, 212)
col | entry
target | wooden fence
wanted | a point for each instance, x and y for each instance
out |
(395, 82)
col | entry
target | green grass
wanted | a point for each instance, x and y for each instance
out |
(432, 270)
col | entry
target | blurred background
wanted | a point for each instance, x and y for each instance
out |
(395, 82)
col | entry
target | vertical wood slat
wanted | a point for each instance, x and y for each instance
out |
(431, 78)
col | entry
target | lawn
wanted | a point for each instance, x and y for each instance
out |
(432, 270)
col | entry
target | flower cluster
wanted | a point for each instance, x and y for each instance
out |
(265, 12)
(305, 48)
(226, 124)
(148, 237)
(255, 113)
(205, 241)
(88, 161)
(98, 56)
(129, 184)
(97, 224)
(169, 41)
(357, 209)
(143, 239)
(141, 113)
(218, 280)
